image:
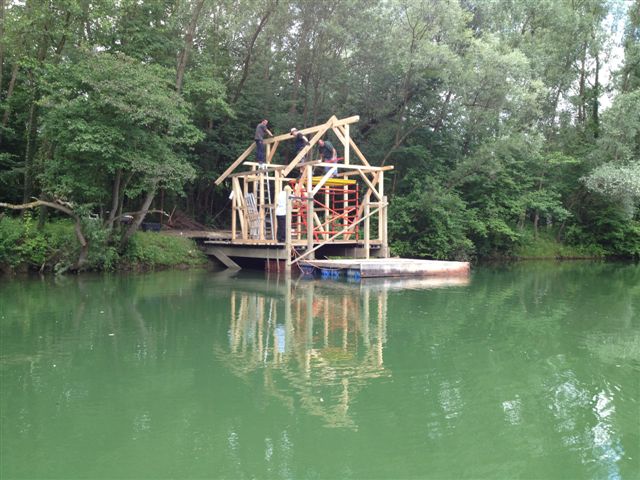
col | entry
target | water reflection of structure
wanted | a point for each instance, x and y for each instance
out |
(316, 343)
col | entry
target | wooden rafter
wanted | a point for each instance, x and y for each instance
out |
(317, 131)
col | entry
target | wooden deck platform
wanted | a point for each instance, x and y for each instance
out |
(390, 267)
(236, 253)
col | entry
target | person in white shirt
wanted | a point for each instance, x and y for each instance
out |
(281, 216)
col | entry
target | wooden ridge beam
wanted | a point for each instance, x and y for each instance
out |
(336, 123)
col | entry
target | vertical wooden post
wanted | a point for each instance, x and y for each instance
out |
(245, 191)
(367, 225)
(383, 221)
(254, 182)
(234, 213)
(261, 205)
(287, 243)
(381, 212)
(327, 213)
(309, 173)
(277, 187)
(346, 205)
(346, 144)
(240, 200)
(299, 204)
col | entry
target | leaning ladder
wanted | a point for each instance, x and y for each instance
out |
(271, 207)
(252, 215)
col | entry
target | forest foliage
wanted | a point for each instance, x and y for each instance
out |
(505, 120)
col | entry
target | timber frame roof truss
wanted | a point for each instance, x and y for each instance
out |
(254, 192)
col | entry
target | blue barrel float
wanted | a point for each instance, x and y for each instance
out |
(353, 274)
(330, 272)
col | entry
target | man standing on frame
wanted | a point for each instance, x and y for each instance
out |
(261, 129)
(300, 139)
(300, 142)
(328, 153)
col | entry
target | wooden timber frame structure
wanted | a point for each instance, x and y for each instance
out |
(254, 194)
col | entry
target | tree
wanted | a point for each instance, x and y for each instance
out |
(617, 156)
(115, 130)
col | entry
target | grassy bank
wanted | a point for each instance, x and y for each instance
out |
(545, 246)
(53, 248)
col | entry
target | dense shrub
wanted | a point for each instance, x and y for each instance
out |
(55, 248)
(431, 223)
(149, 250)
(25, 247)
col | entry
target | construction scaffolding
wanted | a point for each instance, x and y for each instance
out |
(337, 201)
(338, 206)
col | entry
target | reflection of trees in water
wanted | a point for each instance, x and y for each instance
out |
(554, 351)
(71, 343)
(317, 340)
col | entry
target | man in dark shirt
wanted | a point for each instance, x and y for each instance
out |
(301, 140)
(327, 152)
(261, 129)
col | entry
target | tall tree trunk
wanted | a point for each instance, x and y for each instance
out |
(303, 46)
(596, 100)
(7, 110)
(1, 43)
(115, 200)
(123, 187)
(247, 59)
(296, 88)
(86, 24)
(582, 86)
(188, 44)
(30, 152)
(138, 217)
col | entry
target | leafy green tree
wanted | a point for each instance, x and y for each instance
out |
(493, 105)
(615, 161)
(617, 156)
(618, 152)
(115, 129)
(431, 222)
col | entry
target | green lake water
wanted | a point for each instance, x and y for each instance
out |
(522, 371)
